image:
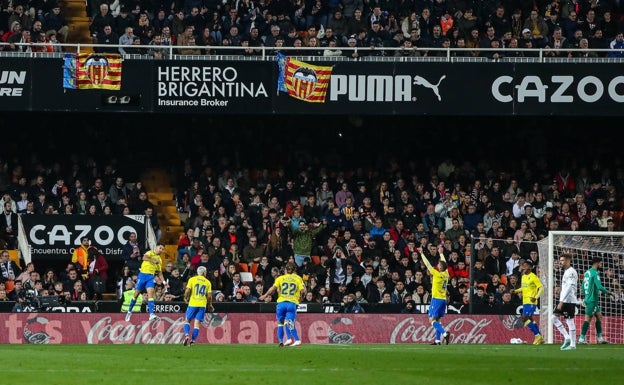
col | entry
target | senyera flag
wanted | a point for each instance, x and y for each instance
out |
(92, 71)
(302, 80)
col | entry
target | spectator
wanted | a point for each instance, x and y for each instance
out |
(106, 36)
(350, 305)
(617, 46)
(97, 280)
(538, 28)
(100, 20)
(80, 256)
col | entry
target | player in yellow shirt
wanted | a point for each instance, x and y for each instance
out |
(531, 289)
(437, 308)
(198, 296)
(290, 289)
(150, 267)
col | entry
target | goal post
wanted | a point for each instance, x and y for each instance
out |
(583, 246)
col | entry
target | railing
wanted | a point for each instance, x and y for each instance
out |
(530, 55)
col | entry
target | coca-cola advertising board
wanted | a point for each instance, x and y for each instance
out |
(245, 328)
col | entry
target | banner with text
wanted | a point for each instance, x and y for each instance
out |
(246, 328)
(54, 237)
(362, 88)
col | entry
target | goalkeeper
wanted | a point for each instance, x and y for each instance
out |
(591, 293)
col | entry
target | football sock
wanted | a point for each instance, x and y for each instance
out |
(560, 327)
(195, 334)
(280, 332)
(292, 330)
(187, 329)
(598, 328)
(150, 305)
(572, 329)
(132, 303)
(294, 334)
(584, 329)
(438, 328)
(533, 327)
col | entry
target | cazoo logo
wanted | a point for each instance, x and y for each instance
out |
(381, 88)
(63, 235)
(557, 89)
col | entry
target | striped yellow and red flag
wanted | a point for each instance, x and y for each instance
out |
(305, 81)
(98, 71)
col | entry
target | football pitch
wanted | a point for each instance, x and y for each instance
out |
(357, 364)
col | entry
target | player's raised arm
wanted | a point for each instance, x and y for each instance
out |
(425, 260)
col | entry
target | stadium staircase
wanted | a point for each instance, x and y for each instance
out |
(78, 23)
(161, 194)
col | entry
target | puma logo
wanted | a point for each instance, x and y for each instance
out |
(420, 81)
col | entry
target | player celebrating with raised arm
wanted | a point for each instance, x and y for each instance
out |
(150, 267)
(198, 296)
(567, 303)
(531, 288)
(290, 288)
(591, 293)
(437, 308)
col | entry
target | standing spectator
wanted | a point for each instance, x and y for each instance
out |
(131, 253)
(97, 273)
(153, 219)
(8, 225)
(80, 256)
(303, 239)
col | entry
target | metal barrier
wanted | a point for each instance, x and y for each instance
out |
(537, 55)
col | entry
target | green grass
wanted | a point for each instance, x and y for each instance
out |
(358, 364)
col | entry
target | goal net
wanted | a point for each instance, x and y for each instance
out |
(583, 246)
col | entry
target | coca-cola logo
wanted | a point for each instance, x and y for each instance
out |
(463, 331)
(340, 331)
(34, 331)
(511, 322)
(213, 320)
(162, 331)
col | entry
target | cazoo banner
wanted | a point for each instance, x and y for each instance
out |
(387, 87)
(54, 237)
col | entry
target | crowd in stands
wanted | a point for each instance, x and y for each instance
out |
(32, 26)
(336, 27)
(359, 230)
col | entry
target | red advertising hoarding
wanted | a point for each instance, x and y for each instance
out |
(245, 328)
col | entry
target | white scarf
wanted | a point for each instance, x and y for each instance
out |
(7, 269)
